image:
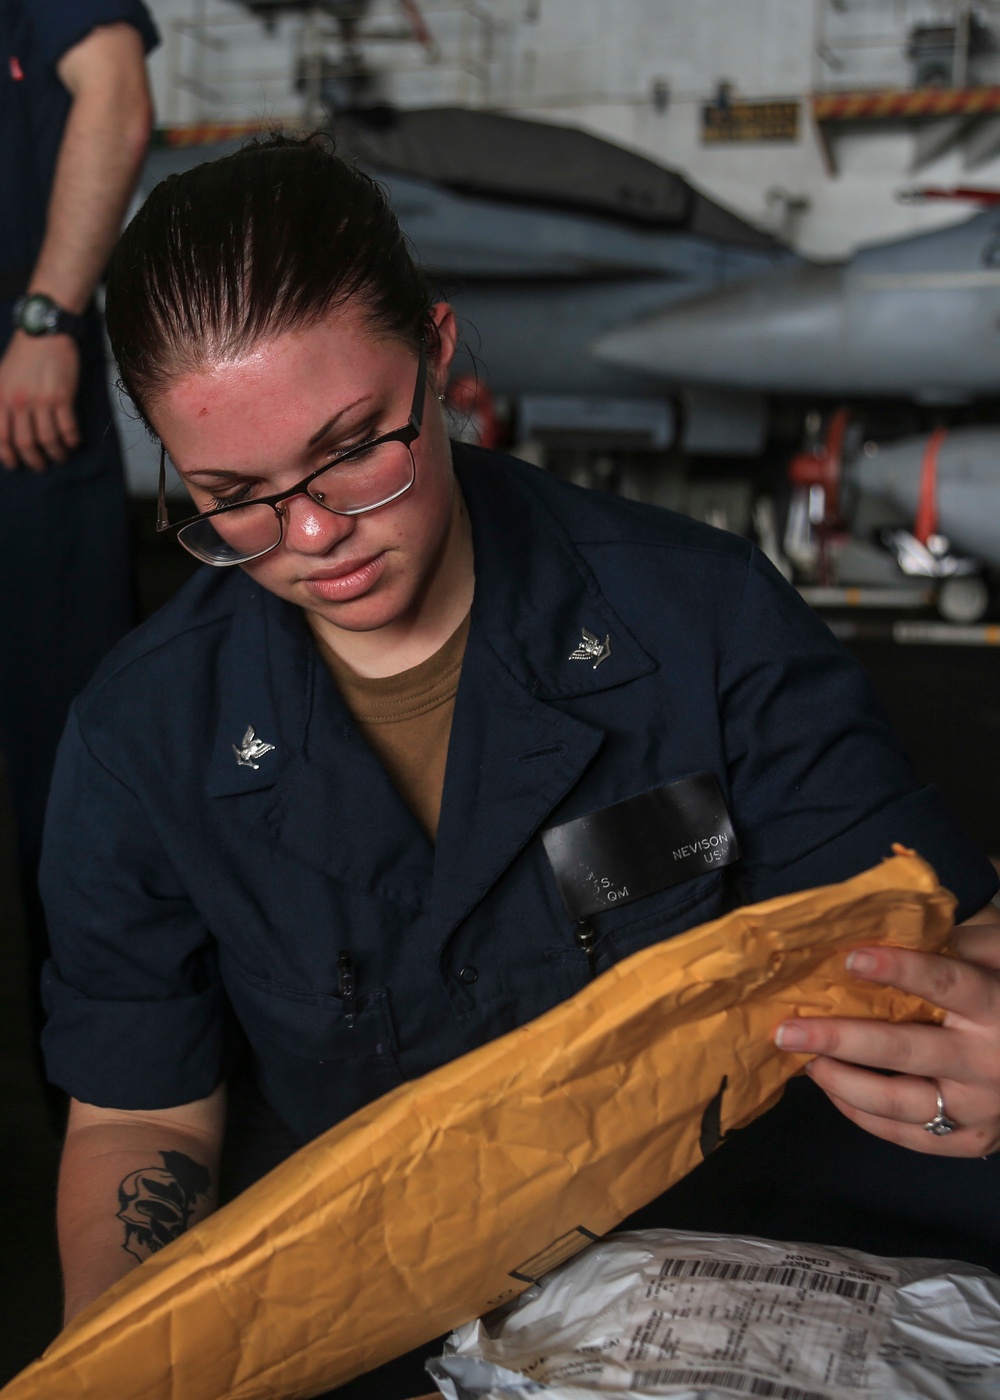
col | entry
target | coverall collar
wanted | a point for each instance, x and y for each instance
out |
(515, 751)
(535, 593)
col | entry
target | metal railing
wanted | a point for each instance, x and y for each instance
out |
(879, 44)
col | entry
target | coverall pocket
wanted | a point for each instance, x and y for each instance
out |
(280, 1022)
(630, 927)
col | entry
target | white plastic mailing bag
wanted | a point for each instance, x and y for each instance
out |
(663, 1312)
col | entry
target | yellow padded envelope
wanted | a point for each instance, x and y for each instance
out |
(449, 1194)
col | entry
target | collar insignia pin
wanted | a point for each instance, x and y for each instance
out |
(251, 748)
(591, 648)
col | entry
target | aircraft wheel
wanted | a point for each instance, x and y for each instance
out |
(964, 599)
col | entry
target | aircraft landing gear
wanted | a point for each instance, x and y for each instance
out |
(963, 600)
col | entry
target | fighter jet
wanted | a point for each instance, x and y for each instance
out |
(896, 523)
(965, 484)
(546, 237)
(916, 318)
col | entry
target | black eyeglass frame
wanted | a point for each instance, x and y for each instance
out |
(406, 435)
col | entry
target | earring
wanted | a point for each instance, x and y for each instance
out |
(440, 398)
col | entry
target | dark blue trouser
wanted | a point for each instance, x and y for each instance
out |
(66, 597)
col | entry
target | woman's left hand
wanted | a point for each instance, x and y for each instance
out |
(958, 1060)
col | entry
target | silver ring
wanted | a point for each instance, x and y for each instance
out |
(940, 1125)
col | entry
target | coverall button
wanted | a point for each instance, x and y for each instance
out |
(469, 975)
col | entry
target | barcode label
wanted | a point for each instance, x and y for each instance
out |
(784, 1275)
(732, 1380)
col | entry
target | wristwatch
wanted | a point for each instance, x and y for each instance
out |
(38, 314)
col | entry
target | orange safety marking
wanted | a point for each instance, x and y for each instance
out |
(926, 522)
(923, 102)
(471, 398)
(208, 133)
(979, 193)
(417, 23)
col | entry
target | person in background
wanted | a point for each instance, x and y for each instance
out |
(75, 116)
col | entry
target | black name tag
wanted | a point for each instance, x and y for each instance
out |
(644, 844)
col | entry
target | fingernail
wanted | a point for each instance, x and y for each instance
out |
(791, 1037)
(861, 963)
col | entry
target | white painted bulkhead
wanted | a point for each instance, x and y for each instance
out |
(637, 72)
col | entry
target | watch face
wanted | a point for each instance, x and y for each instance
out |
(38, 314)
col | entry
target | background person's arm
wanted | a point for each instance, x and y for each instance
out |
(129, 1183)
(102, 151)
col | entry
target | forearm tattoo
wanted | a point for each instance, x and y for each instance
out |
(156, 1203)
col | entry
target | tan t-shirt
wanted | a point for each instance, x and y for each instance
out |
(407, 720)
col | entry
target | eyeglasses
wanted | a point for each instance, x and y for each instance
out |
(361, 479)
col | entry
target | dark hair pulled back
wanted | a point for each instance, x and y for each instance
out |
(272, 238)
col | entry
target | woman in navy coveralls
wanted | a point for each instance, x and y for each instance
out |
(220, 832)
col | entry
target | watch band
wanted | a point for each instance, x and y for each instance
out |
(37, 314)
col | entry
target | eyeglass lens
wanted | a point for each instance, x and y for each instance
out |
(372, 478)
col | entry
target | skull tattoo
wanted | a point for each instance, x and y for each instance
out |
(156, 1203)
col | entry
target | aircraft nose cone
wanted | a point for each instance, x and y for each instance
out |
(777, 332)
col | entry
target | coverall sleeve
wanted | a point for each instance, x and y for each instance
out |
(821, 786)
(137, 1013)
(61, 24)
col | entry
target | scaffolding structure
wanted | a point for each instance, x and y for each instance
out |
(319, 56)
(929, 65)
